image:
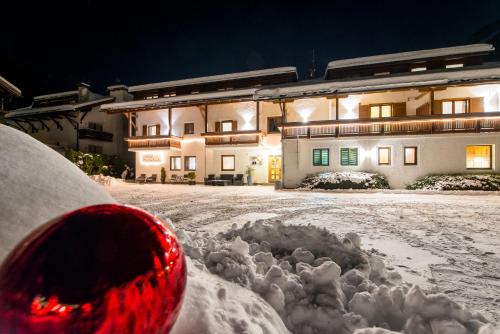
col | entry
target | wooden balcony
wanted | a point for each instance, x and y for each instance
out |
(147, 142)
(232, 138)
(95, 134)
(410, 125)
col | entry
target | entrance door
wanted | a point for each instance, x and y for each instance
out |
(274, 168)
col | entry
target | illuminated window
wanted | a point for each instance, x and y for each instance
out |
(189, 163)
(455, 106)
(349, 156)
(188, 128)
(419, 69)
(321, 157)
(227, 126)
(478, 156)
(454, 65)
(410, 155)
(384, 155)
(227, 162)
(175, 163)
(152, 130)
(381, 110)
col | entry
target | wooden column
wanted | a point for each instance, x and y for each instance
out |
(257, 121)
(129, 124)
(336, 115)
(432, 101)
(206, 118)
(169, 121)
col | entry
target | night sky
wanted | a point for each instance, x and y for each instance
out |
(49, 46)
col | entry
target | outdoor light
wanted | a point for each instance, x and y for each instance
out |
(100, 269)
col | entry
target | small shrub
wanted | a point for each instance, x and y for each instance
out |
(486, 182)
(95, 164)
(163, 176)
(345, 180)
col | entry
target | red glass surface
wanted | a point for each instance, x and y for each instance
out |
(100, 269)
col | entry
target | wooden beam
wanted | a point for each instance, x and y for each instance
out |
(432, 101)
(337, 108)
(257, 121)
(169, 121)
(58, 125)
(206, 118)
(44, 125)
(22, 127)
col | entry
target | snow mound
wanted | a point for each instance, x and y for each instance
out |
(318, 283)
(345, 180)
(485, 182)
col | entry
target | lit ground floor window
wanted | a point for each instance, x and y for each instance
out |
(410, 155)
(478, 156)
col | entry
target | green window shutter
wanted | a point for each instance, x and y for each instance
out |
(325, 157)
(316, 157)
(353, 157)
(344, 157)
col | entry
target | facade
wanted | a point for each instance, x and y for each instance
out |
(73, 120)
(404, 115)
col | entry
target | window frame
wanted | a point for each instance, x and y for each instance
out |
(357, 156)
(222, 162)
(188, 133)
(465, 99)
(269, 119)
(389, 156)
(151, 126)
(186, 159)
(379, 106)
(172, 166)
(321, 156)
(490, 158)
(416, 155)
(226, 122)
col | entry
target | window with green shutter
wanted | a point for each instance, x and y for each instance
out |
(349, 156)
(321, 157)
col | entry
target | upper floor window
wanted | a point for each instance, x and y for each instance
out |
(227, 126)
(321, 157)
(188, 128)
(457, 65)
(95, 126)
(419, 69)
(153, 130)
(456, 106)
(381, 73)
(273, 124)
(349, 156)
(149, 97)
(380, 110)
(478, 157)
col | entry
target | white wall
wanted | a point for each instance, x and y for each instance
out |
(490, 93)
(187, 115)
(310, 109)
(242, 112)
(152, 118)
(436, 154)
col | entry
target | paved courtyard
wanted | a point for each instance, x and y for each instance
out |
(446, 243)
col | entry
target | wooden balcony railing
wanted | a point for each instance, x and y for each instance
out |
(232, 138)
(95, 134)
(416, 125)
(146, 142)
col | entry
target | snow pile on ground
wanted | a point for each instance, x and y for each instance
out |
(486, 182)
(318, 283)
(345, 180)
(106, 180)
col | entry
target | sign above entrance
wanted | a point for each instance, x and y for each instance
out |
(152, 158)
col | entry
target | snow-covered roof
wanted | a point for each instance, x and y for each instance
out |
(214, 78)
(178, 100)
(411, 56)
(55, 95)
(485, 73)
(8, 86)
(30, 111)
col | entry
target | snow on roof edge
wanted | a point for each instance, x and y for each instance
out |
(214, 78)
(10, 86)
(55, 95)
(411, 55)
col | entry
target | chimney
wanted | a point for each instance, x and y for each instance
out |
(120, 93)
(83, 92)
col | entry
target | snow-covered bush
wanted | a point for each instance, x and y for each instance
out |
(318, 283)
(95, 164)
(487, 182)
(345, 180)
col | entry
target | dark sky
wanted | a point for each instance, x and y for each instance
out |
(48, 46)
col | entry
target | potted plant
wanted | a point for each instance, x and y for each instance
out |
(163, 176)
(249, 172)
(192, 178)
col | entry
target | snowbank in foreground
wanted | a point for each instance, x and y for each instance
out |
(345, 180)
(314, 281)
(486, 182)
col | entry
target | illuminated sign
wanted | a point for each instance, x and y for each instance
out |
(152, 158)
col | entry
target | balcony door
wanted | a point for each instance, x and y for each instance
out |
(274, 168)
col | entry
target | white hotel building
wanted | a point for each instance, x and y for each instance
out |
(404, 115)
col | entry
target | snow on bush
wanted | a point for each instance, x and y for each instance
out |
(345, 180)
(487, 182)
(318, 283)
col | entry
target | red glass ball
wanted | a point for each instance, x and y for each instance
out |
(100, 269)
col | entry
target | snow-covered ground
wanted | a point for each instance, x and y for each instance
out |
(444, 243)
